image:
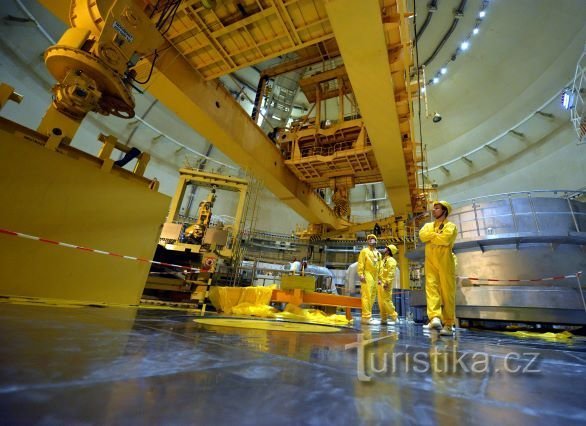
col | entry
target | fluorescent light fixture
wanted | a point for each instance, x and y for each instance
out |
(568, 98)
(475, 31)
(444, 70)
(465, 45)
(481, 14)
(435, 80)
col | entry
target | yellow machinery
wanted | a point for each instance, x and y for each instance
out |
(194, 233)
(60, 194)
(324, 153)
(93, 63)
(197, 242)
(205, 41)
(63, 195)
(200, 236)
(185, 45)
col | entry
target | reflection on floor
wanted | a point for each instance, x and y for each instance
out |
(122, 366)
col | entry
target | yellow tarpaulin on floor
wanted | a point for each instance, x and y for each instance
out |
(266, 325)
(556, 337)
(254, 301)
(225, 299)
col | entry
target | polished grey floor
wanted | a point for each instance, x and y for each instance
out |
(70, 366)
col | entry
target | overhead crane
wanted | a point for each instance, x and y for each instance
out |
(208, 39)
(178, 49)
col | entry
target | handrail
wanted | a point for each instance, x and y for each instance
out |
(561, 194)
(574, 192)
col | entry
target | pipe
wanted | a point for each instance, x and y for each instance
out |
(431, 7)
(32, 18)
(458, 13)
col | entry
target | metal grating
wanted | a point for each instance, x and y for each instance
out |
(234, 35)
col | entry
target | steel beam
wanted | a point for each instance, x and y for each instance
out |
(360, 35)
(211, 111)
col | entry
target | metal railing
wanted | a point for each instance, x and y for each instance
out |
(538, 212)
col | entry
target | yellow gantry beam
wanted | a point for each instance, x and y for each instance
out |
(360, 35)
(211, 111)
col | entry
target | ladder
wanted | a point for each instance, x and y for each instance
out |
(247, 226)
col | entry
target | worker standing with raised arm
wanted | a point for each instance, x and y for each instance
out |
(368, 269)
(440, 269)
(387, 273)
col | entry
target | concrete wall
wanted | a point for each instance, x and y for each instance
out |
(555, 162)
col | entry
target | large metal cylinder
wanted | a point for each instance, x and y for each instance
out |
(520, 236)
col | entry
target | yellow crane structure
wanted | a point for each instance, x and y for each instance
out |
(205, 40)
(180, 48)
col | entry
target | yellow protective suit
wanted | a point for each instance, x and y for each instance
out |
(440, 270)
(368, 266)
(388, 268)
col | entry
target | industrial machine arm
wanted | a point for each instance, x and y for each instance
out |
(93, 62)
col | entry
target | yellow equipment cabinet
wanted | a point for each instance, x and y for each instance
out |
(305, 283)
(60, 193)
(54, 191)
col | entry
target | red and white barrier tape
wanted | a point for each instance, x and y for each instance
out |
(108, 253)
(559, 277)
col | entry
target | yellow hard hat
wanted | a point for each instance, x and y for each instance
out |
(369, 236)
(393, 248)
(445, 204)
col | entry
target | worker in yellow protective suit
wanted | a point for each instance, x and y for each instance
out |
(368, 268)
(388, 269)
(440, 269)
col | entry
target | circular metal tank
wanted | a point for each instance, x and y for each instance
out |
(533, 235)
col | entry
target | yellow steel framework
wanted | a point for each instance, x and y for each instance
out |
(212, 111)
(211, 180)
(317, 156)
(326, 153)
(375, 45)
(205, 41)
(233, 35)
(55, 191)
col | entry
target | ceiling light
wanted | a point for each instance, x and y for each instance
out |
(444, 70)
(481, 14)
(568, 98)
(435, 80)
(475, 31)
(423, 90)
(464, 45)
